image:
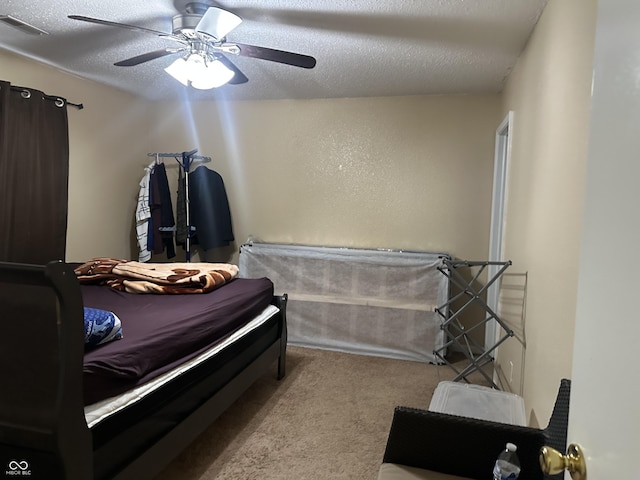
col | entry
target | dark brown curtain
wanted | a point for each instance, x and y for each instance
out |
(34, 171)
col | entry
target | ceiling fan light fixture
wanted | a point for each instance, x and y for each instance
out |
(201, 34)
(218, 23)
(198, 73)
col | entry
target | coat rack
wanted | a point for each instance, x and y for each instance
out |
(185, 160)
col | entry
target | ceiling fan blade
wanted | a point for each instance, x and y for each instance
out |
(217, 22)
(280, 56)
(119, 25)
(145, 57)
(238, 77)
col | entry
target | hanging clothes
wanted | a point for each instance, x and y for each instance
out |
(167, 220)
(154, 214)
(143, 215)
(162, 222)
(209, 209)
(181, 210)
(154, 241)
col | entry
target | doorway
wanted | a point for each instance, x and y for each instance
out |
(498, 218)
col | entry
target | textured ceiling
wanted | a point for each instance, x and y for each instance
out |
(362, 48)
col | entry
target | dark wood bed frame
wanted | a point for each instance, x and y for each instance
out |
(43, 432)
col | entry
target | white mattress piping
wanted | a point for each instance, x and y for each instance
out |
(99, 411)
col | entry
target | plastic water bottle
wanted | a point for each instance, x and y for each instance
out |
(507, 465)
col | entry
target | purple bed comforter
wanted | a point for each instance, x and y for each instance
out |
(163, 331)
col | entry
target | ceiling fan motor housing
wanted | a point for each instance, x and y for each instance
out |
(185, 24)
(197, 7)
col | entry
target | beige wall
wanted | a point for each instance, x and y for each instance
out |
(399, 172)
(549, 91)
(107, 140)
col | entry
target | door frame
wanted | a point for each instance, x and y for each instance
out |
(502, 156)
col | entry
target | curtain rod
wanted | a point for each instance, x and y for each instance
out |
(60, 101)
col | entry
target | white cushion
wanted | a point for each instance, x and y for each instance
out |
(392, 471)
(477, 401)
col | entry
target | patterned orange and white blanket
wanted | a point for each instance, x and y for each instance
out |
(160, 278)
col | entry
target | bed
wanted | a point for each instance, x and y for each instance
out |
(69, 410)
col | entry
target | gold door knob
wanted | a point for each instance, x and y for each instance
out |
(553, 462)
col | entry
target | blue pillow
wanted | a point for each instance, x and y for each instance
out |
(100, 326)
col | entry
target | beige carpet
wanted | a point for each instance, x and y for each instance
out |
(327, 419)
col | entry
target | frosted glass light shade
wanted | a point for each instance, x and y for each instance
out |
(214, 75)
(178, 70)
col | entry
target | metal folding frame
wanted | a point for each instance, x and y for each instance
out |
(478, 356)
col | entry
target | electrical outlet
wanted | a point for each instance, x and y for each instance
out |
(510, 371)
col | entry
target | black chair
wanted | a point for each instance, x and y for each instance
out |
(468, 447)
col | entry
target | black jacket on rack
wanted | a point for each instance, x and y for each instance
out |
(162, 220)
(209, 209)
(181, 210)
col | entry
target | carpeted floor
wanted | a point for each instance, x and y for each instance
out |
(327, 419)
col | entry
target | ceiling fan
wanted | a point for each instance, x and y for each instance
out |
(201, 34)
